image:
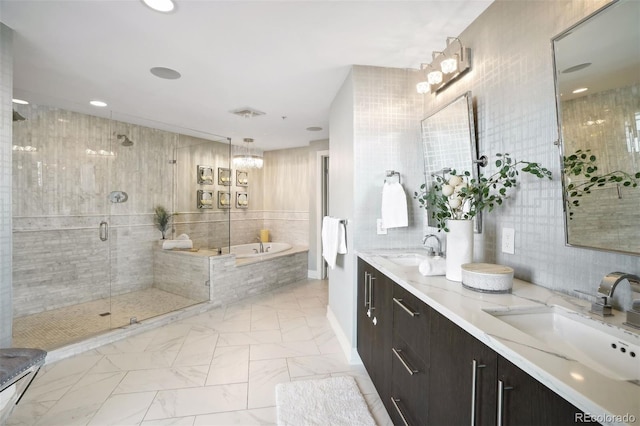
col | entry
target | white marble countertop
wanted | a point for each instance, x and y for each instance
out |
(609, 401)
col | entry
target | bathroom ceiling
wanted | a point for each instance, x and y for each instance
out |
(287, 59)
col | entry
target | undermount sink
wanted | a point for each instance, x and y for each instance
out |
(607, 349)
(405, 259)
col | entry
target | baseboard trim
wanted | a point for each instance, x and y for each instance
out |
(313, 274)
(349, 352)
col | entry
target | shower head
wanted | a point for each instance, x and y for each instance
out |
(125, 140)
(17, 116)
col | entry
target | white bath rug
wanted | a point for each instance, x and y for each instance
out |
(333, 401)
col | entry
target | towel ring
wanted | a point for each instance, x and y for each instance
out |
(391, 173)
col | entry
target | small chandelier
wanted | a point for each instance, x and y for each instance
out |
(247, 157)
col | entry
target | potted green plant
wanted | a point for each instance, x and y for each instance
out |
(454, 200)
(162, 219)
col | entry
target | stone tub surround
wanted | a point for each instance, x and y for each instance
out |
(232, 279)
(595, 394)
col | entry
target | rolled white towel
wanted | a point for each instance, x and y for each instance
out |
(433, 266)
(177, 244)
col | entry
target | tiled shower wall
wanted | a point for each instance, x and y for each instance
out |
(60, 198)
(6, 94)
(513, 88)
(61, 178)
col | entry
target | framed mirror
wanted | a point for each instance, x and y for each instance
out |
(204, 199)
(597, 75)
(224, 176)
(449, 143)
(242, 178)
(205, 175)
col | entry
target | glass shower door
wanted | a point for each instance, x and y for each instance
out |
(61, 277)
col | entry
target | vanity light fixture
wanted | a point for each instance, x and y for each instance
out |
(246, 157)
(97, 103)
(19, 101)
(445, 66)
(580, 90)
(164, 6)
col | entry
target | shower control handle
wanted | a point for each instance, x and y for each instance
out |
(104, 231)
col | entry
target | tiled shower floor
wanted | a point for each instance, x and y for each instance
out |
(59, 327)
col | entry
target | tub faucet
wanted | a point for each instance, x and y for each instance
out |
(261, 245)
(606, 289)
(431, 251)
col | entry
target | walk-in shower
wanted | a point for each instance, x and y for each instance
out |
(82, 262)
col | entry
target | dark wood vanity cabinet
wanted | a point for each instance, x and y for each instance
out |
(463, 382)
(374, 322)
(410, 360)
(429, 371)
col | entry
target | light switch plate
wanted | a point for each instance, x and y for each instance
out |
(508, 240)
(379, 228)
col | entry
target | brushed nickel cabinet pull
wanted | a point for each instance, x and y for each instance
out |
(407, 366)
(395, 401)
(474, 385)
(501, 389)
(400, 303)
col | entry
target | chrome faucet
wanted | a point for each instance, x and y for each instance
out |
(261, 245)
(605, 292)
(431, 251)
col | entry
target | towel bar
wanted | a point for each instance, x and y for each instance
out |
(391, 173)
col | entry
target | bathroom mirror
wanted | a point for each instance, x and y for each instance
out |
(597, 74)
(449, 143)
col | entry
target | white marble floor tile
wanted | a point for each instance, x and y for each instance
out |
(162, 379)
(249, 338)
(257, 416)
(135, 361)
(195, 401)
(317, 364)
(176, 421)
(123, 410)
(263, 378)
(210, 369)
(294, 329)
(283, 350)
(54, 380)
(83, 400)
(198, 347)
(230, 364)
(264, 319)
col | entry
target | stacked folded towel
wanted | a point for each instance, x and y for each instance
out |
(181, 242)
(433, 266)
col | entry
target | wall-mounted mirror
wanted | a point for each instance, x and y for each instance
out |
(449, 143)
(597, 71)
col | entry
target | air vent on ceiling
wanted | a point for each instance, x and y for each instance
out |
(247, 112)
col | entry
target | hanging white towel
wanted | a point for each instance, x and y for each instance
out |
(394, 206)
(334, 239)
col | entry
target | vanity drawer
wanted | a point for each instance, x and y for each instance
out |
(409, 385)
(411, 319)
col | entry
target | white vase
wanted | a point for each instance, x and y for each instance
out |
(459, 247)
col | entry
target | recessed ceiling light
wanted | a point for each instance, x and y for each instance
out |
(97, 103)
(166, 73)
(576, 68)
(580, 90)
(20, 101)
(314, 129)
(160, 5)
